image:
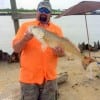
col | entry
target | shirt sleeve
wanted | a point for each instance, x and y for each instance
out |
(19, 34)
(59, 31)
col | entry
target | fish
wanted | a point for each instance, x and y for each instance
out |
(52, 40)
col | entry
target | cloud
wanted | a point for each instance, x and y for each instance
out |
(28, 4)
(31, 4)
(4, 4)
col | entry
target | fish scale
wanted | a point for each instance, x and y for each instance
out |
(50, 39)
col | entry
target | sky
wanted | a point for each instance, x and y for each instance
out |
(32, 4)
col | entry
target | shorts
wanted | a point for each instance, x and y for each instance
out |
(46, 91)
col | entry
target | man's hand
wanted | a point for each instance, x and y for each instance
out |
(58, 51)
(18, 46)
(27, 36)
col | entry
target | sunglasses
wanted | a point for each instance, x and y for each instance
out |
(44, 10)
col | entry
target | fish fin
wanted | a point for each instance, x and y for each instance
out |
(69, 56)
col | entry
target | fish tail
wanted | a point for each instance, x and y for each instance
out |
(86, 61)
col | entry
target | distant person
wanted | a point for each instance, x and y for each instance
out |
(37, 68)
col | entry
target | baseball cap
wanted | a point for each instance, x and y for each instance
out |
(44, 6)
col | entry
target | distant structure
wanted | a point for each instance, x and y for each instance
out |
(47, 0)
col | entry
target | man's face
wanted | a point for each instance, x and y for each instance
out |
(43, 15)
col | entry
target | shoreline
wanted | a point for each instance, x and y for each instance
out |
(79, 85)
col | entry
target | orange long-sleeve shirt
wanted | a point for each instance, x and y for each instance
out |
(36, 65)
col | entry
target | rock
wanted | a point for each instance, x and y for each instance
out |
(62, 78)
(14, 57)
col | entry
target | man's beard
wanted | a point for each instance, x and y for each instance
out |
(43, 18)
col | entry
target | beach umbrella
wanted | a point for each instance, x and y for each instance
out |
(81, 9)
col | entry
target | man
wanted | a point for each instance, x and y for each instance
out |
(37, 68)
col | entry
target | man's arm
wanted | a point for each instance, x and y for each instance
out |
(19, 45)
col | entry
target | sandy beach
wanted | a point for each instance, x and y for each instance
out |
(80, 85)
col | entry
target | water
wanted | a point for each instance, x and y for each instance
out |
(73, 27)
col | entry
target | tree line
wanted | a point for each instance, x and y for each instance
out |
(7, 10)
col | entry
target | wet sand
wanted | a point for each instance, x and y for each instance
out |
(81, 84)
